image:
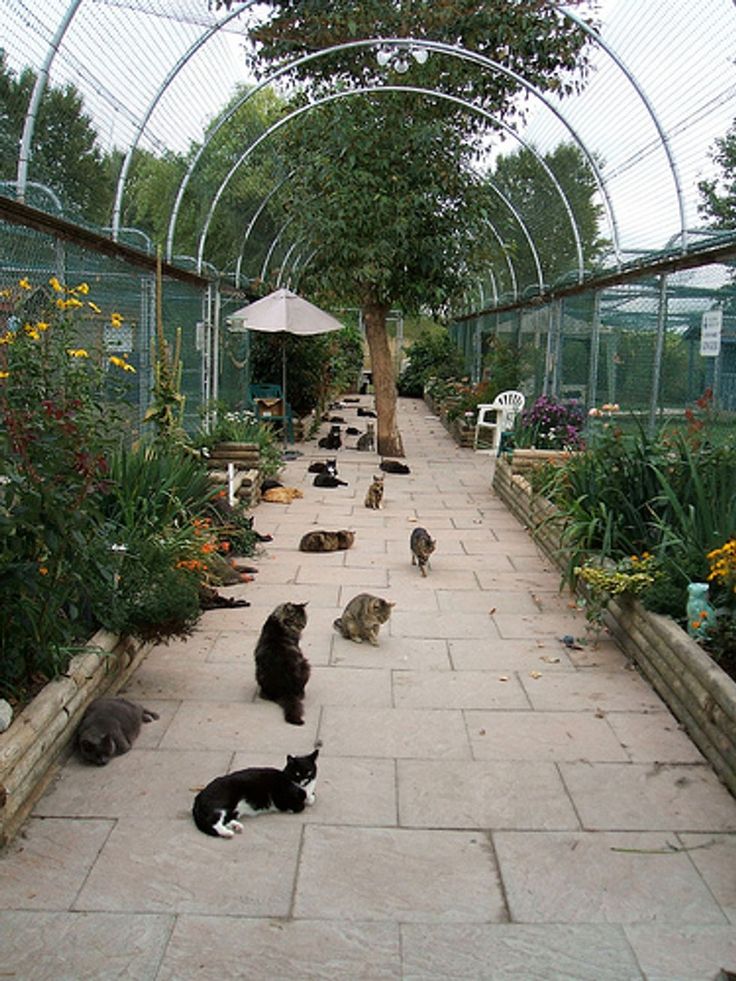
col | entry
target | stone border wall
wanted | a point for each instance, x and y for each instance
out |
(40, 734)
(700, 695)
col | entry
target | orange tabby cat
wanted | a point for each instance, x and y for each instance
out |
(281, 495)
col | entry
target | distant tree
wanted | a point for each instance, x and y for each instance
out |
(154, 181)
(385, 190)
(65, 155)
(718, 205)
(522, 179)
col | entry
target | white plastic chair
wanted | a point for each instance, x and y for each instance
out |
(497, 417)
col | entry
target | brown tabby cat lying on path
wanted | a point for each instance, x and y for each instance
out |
(326, 541)
(362, 618)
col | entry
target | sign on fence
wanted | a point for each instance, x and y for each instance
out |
(710, 333)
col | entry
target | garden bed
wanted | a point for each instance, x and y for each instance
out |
(700, 695)
(41, 733)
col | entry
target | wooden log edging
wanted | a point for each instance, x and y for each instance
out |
(699, 693)
(39, 736)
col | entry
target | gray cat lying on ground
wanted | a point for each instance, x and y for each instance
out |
(109, 727)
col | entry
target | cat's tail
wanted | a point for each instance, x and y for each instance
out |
(293, 706)
(200, 819)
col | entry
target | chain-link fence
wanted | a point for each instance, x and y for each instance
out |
(214, 357)
(652, 345)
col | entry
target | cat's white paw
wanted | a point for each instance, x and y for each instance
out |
(237, 827)
(224, 832)
(310, 799)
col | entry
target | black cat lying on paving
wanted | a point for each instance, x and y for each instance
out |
(109, 727)
(256, 790)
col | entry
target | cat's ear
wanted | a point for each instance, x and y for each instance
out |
(313, 756)
(289, 759)
(390, 603)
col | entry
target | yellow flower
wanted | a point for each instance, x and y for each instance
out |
(77, 352)
(120, 363)
(116, 319)
(24, 284)
(42, 325)
(83, 288)
(8, 337)
(4, 374)
(42, 570)
(6, 293)
(128, 367)
(56, 285)
(32, 332)
(93, 306)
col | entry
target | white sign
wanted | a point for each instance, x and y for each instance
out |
(710, 333)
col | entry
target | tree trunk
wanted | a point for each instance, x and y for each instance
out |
(384, 383)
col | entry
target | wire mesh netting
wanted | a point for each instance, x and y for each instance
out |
(183, 150)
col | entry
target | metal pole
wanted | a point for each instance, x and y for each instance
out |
(595, 348)
(658, 352)
(38, 89)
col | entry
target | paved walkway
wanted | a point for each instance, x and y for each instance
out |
(490, 804)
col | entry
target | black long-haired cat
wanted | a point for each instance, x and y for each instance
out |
(282, 671)
(323, 466)
(257, 790)
(328, 480)
(332, 441)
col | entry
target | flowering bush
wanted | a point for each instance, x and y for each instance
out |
(631, 575)
(57, 427)
(721, 636)
(550, 424)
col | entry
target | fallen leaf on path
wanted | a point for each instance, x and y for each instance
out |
(503, 677)
(549, 659)
(535, 674)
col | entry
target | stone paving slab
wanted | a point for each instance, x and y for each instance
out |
(491, 803)
(584, 877)
(82, 946)
(168, 866)
(399, 875)
(475, 794)
(267, 949)
(515, 951)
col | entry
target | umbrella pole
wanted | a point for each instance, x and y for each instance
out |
(284, 425)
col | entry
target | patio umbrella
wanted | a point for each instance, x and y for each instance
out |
(286, 313)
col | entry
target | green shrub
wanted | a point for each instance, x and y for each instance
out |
(433, 354)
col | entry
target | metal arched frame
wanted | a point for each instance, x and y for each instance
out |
(272, 246)
(42, 78)
(251, 224)
(367, 90)
(432, 46)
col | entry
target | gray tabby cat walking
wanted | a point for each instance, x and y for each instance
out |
(422, 547)
(362, 618)
(374, 496)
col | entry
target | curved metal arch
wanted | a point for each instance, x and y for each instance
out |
(366, 90)
(273, 245)
(446, 49)
(287, 256)
(507, 257)
(540, 160)
(143, 122)
(29, 123)
(252, 222)
(525, 231)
